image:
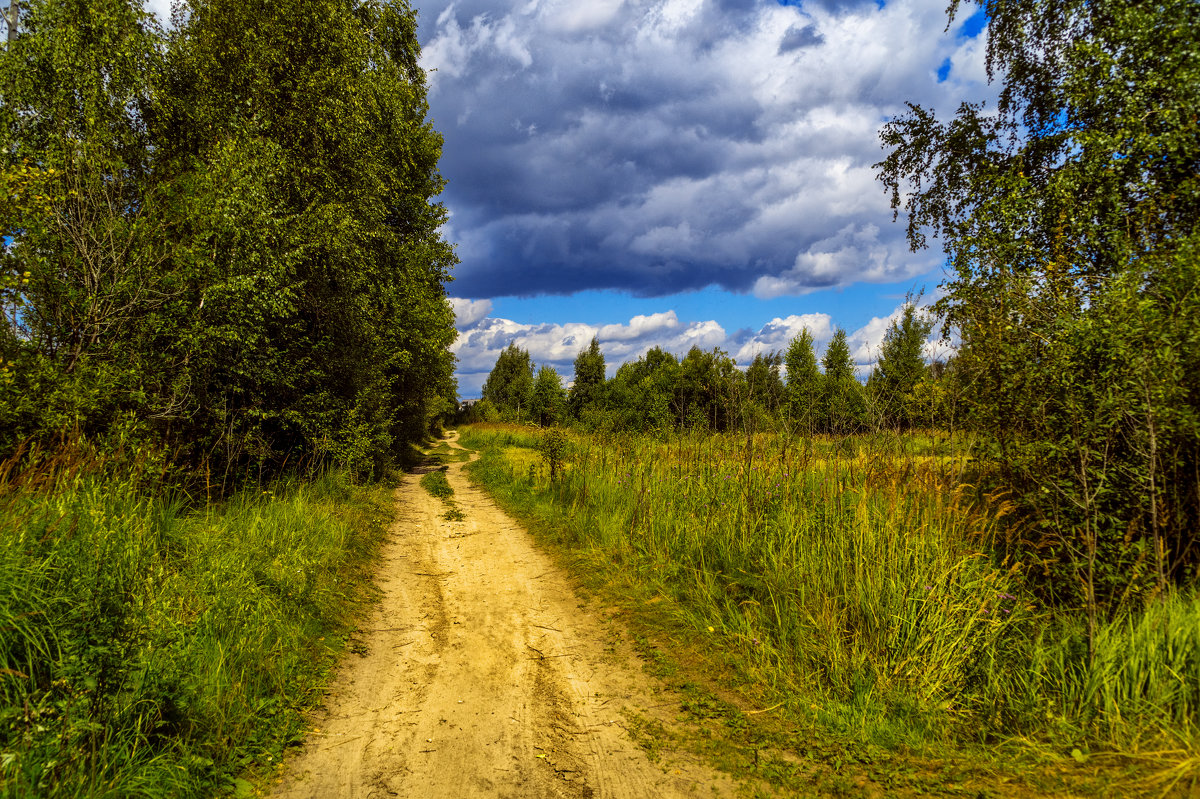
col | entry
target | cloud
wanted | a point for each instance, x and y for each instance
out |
(778, 333)
(663, 145)
(480, 342)
(798, 37)
(160, 7)
(467, 313)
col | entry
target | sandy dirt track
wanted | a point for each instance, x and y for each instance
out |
(482, 676)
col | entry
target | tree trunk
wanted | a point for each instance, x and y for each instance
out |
(14, 16)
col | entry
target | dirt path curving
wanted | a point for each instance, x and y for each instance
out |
(480, 675)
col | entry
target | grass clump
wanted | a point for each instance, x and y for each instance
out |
(154, 649)
(435, 483)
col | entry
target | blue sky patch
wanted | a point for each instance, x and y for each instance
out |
(974, 24)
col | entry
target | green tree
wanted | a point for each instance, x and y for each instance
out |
(843, 404)
(230, 233)
(764, 391)
(641, 394)
(327, 97)
(86, 260)
(803, 381)
(1069, 215)
(901, 367)
(706, 391)
(548, 402)
(509, 386)
(589, 379)
(764, 382)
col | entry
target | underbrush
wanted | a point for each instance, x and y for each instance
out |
(153, 649)
(856, 579)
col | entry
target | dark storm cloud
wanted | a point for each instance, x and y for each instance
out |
(798, 37)
(661, 145)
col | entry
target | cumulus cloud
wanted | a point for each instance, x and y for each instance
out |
(480, 342)
(778, 333)
(664, 145)
(469, 312)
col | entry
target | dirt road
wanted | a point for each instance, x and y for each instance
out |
(480, 675)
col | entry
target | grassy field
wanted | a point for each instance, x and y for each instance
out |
(152, 649)
(861, 585)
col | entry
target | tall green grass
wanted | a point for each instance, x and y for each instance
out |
(151, 649)
(862, 575)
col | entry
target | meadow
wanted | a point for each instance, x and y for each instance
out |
(865, 584)
(152, 647)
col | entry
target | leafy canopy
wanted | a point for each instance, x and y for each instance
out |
(1069, 216)
(229, 232)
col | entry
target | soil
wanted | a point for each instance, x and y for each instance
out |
(481, 673)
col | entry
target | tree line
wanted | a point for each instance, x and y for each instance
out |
(705, 390)
(221, 241)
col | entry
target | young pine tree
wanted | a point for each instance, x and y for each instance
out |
(901, 366)
(803, 381)
(589, 379)
(843, 403)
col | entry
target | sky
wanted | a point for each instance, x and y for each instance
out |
(680, 173)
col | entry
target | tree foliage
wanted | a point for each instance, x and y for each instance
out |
(901, 367)
(803, 381)
(509, 386)
(706, 394)
(548, 401)
(1069, 215)
(589, 379)
(642, 393)
(765, 389)
(230, 232)
(843, 403)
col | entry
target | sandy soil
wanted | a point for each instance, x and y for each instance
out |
(480, 674)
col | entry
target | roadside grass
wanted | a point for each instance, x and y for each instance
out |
(855, 587)
(154, 649)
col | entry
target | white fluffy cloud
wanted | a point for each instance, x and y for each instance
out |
(778, 333)
(480, 343)
(469, 312)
